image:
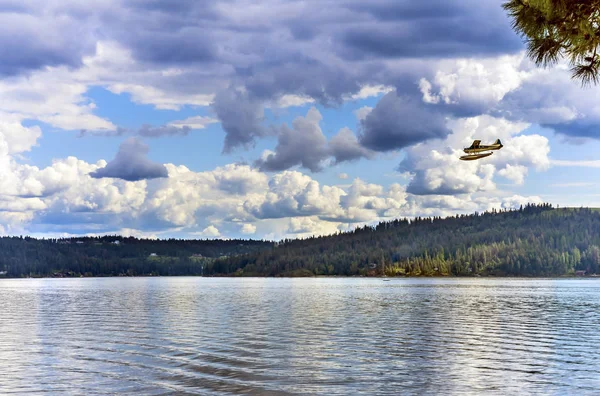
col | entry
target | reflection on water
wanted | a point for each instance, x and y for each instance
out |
(161, 336)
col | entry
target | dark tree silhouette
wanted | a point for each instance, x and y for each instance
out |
(554, 29)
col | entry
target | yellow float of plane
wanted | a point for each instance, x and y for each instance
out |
(476, 151)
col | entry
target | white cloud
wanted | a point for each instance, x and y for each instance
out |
(211, 231)
(437, 169)
(476, 83)
(17, 138)
(291, 101)
(362, 113)
(248, 229)
(197, 122)
(368, 91)
(229, 200)
(515, 173)
(162, 100)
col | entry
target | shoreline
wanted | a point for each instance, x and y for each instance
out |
(315, 277)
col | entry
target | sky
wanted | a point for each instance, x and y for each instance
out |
(277, 119)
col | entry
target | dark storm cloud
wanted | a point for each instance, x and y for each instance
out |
(187, 45)
(241, 118)
(29, 42)
(576, 129)
(303, 75)
(186, 31)
(131, 164)
(397, 122)
(345, 147)
(436, 29)
(326, 50)
(304, 144)
(404, 10)
(183, 7)
(559, 104)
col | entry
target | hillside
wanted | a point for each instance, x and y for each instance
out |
(114, 255)
(536, 240)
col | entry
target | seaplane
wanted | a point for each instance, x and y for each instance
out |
(477, 150)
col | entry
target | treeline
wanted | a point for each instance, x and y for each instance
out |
(113, 255)
(534, 240)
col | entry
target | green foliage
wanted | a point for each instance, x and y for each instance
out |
(560, 28)
(100, 256)
(535, 240)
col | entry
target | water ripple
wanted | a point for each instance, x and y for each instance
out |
(167, 336)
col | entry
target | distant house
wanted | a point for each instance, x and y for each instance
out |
(197, 255)
(153, 254)
(579, 273)
(79, 242)
(2, 273)
(116, 242)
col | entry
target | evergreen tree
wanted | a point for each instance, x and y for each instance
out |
(554, 29)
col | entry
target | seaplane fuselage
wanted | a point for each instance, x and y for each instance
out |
(477, 150)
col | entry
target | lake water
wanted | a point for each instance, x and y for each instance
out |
(163, 336)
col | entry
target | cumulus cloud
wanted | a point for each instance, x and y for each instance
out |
(304, 144)
(362, 113)
(398, 121)
(280, 53)
(211, 231)
(231, 200)
(248, 229)
(196, 122)
(469, 87)
(239, 61)
(516, 173)
(241, 118)
(436, 168)
(35, 36)
(512, 87)
(18, 138)
(455, 29)
(443, 81)
(131, 163)
(345, 147)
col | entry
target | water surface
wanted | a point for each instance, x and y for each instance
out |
(327, 336)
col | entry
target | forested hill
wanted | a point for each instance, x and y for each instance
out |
(114, 255)
(536, 240)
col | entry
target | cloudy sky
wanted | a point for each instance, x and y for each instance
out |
(277, 119)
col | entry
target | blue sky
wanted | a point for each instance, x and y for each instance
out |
(226, 119)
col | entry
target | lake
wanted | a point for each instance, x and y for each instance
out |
(326, 336)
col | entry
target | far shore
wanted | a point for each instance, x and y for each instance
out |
(593, 276)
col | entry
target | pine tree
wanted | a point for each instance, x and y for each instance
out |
(554, 29)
